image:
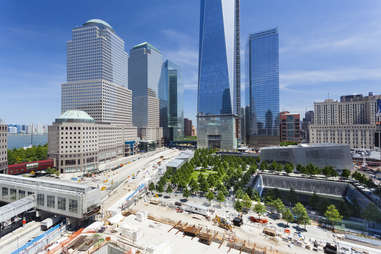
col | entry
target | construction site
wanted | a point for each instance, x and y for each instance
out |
(134, 220)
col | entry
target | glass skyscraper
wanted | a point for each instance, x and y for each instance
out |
(218, 102)
(171, 94)
(262, 88)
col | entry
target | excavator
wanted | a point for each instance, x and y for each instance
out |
(222, 223)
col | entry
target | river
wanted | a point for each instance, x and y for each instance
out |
(18, 141)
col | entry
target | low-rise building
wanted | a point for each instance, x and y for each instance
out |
(321, 155)
(353, 120)
(187, 127)
(79, 144)
(3, 147)
(289, 127)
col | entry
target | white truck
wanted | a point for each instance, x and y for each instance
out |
(49, 222)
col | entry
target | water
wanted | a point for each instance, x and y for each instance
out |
(19, 141)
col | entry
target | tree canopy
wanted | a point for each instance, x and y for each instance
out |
(333, 215)
(35, 153)
(301, 214)
(260, 209)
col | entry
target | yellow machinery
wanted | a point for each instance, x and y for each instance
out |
(222, 223)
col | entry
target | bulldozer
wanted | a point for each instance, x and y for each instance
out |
(222, 223)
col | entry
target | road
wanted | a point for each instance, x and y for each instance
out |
(146, 170)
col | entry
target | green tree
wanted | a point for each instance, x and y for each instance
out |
(288, 168)
(186, 192)
(345, 173)
(301, 214)
(239, 193)
(288, 216)
(169, 188)
(220, 196)
(333, 215)
(300, 168)
(151, 186)
(246, 202)
(278, 205)
(210, 196)
(260, 209)
(160, 187)
(238, 205)
(211, 180)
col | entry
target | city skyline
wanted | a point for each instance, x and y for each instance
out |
(319, 60)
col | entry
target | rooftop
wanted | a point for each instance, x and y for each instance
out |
(265, 33)
(304, 146)
(175, 163)
(75, 116)
(98, 21)
(146, 45)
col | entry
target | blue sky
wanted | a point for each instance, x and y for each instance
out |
(327, 47)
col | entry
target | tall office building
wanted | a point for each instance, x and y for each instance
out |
(262, 88)
(3, 147)
(171, 95)
(145, 75)
(96, 52)
(218, 102)
(96, 91)
(354, 120)
(97, 74)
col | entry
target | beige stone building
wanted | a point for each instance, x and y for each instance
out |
(352, 120)
(79, 144)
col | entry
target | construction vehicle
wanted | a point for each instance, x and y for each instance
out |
(257, 220)
(222, 223)
(238, 221)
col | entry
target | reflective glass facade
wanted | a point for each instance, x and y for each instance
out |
(96, 52)
(217, 82)
(262, 90)
(146, 74)
(171, 93)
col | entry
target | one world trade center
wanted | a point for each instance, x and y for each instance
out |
(218, 101)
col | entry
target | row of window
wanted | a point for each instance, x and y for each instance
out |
(11, 194)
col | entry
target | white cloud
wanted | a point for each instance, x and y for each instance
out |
(360, 41)
(307, 77)
(184, 56)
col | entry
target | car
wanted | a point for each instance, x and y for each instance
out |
(183, 200)
(167, 197)
(178, 203)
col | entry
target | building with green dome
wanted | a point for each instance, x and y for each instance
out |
(78, 143)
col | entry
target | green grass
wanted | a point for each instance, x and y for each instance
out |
(205, 173)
